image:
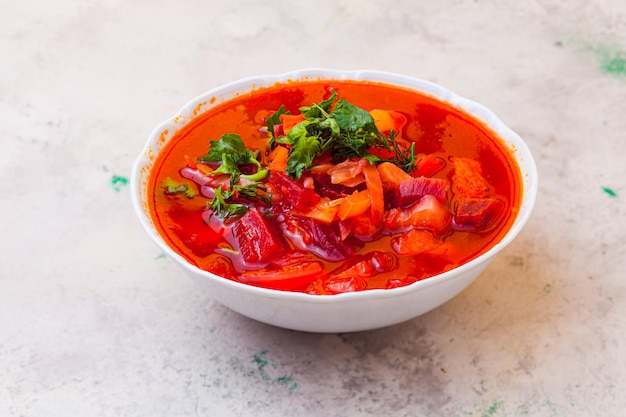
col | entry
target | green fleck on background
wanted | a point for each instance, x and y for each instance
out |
(118, 182)
(611, 59)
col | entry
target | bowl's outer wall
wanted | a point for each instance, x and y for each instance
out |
(343, 312)
(351, 315)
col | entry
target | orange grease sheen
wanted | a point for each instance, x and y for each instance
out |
(437, 128)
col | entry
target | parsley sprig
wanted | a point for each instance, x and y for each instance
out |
(233, 154)
(341, 128)
(224, 205)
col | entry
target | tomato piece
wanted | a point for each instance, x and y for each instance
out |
(354, 275)
(258, 241)
(383, 261)
(346, 284)
(293, 192)
(293, 277)
(428, 165)
(363, 229)
(400, 282)
(428, 213)
(415, 242)
(219, 265)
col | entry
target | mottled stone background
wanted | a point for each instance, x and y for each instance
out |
(95, 321)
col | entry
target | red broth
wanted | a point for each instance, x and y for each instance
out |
(440, 132)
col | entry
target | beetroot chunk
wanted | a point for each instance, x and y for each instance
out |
(320, 239)
(258, 240)
(411, 190)
(293, 192)
(476, 213)
(325, 238)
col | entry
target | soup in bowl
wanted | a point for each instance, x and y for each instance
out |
(333, 201)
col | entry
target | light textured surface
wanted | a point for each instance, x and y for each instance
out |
(94, 321)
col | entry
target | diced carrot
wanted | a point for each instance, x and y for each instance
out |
(320, 169)
(289, 121)
(354, 205)
(392, 174)
(205, 169)
(326, 215)
(375, 189)
(278, 159)
(325, 211)
(190, 162)
(468, 180)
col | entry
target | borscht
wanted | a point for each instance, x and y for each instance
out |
(333, 186)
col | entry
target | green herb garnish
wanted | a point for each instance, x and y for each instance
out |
(346, 131)
(320, 109)
(251, 192)
(232, 152)
(274, 120)
(221, 206)
(223, 202)
(405, 160)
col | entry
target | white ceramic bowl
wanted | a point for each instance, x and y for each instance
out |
(345, 312)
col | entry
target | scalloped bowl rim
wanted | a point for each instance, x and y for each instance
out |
(225, 92)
